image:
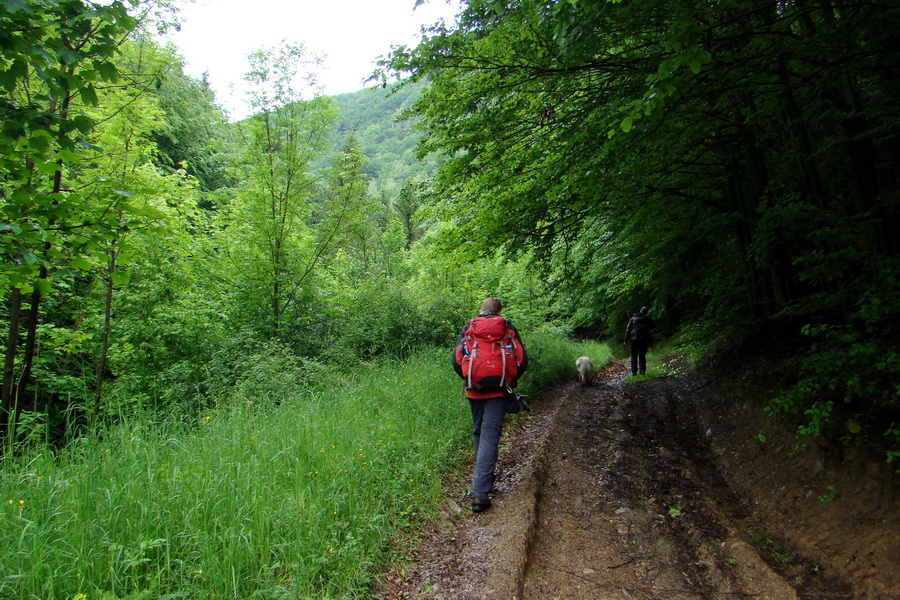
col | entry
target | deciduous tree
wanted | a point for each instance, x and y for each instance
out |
(272, 248)
(55, 57)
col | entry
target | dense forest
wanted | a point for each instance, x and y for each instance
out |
(732, 165)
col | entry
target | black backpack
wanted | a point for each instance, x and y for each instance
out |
(640, 329)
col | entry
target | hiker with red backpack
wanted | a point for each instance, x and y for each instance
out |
(490, 358)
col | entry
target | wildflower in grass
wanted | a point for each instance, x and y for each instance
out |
(79, 597)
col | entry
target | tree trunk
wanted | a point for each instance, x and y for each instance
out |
(276, 289)
(9, 364)
(34, 314)
(104, 339)
(30, 346)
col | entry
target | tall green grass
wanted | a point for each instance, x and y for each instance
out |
(298, 498)
(552, 359)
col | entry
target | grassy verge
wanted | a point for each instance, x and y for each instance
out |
(254, 500)
(656, 367)
(552, 359)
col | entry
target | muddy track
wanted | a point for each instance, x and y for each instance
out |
(609, 491)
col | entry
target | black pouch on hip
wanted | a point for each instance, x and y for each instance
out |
(513, 403)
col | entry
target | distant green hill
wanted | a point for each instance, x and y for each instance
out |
(389, 143)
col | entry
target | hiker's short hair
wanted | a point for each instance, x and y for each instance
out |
(491, 305)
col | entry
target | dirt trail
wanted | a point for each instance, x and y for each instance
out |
(618, 490)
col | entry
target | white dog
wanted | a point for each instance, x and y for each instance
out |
(585, 369)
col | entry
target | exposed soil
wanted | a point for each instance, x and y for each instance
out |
(661, 489)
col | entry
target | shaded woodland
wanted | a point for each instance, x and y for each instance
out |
(732, 164)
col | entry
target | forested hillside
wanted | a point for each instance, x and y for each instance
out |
(169, 276)
(377, 118)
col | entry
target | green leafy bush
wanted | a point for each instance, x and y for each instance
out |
(849, 389)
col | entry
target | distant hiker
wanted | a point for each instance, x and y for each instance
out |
(489, 356)
(638, 332)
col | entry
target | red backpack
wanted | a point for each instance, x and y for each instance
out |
(488, 354)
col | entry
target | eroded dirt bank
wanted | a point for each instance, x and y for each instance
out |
(660, 489)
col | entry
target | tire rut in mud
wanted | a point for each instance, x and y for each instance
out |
(634, 505)
(597, 535)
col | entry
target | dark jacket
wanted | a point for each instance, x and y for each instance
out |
(639, 328)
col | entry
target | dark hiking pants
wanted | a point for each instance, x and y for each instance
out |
(487, 423)
(638, 356)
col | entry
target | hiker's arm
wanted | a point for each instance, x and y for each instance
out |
(459, 340)
(523, 363)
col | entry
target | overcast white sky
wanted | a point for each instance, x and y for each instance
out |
(217, 35)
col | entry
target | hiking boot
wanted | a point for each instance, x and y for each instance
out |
(480, 502)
